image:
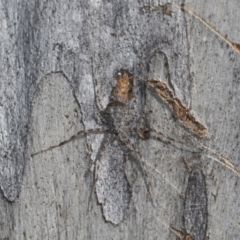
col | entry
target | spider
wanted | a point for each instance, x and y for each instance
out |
(122, 126)
(120, 118)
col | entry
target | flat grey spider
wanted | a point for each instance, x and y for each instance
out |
(120, 119)
(122, 127)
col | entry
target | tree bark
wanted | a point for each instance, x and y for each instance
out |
(119, 120)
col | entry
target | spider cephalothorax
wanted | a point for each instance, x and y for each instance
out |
(122, 92)
(119, 113)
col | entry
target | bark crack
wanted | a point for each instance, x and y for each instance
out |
(234, 46)
(181, 111)
(181, 234)
(185, 116)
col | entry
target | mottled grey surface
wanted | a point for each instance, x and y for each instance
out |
(215, 72)
(52, 54)
(14, 100)
(195, 215)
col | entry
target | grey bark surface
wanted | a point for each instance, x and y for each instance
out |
(75, 166)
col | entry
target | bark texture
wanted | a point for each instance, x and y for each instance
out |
(119, 119)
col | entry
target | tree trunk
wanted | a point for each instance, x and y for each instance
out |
(119, 120)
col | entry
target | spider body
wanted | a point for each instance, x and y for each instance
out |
(120, 114)
(120, 118)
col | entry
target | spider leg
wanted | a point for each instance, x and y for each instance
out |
(105, 142)
(200, 147)
(79, 133)
(146, 133)
(126, 140)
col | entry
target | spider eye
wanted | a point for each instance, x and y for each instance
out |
(119, 74)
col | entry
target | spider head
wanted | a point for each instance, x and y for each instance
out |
(122, 92)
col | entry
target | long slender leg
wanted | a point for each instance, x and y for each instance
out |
(79, 133)
(126, 140)
(105, 142)
(146, 132)
(200, 147)
(192, 147)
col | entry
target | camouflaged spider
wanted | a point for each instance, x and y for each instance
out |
(122, 128)
(120, 119)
